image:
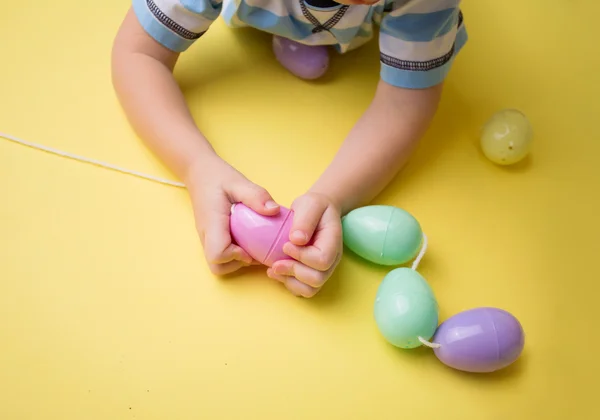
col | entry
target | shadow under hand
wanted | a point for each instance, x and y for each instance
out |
(253, 271)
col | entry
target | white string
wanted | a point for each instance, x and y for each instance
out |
(429, 344)
(417, 261)
(91, 161)
(414, 267)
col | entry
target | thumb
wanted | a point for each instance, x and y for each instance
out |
(255, 197)
(307, 215)
(218, 248)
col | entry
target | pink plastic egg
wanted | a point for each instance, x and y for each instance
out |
(479, 340)
(262, 237)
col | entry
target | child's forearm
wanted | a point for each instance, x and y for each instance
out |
(378, 145)
(153, 102)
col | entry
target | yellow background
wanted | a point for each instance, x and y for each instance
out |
(107, 308)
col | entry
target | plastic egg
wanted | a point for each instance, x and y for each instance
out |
(405, 308)
(305, 61)
(384, 235)
(262, 237)
(479, 340)
(506, 138)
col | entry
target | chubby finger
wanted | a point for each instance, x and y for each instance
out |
(255, 197)
(325, 249)
(274, 276)
(298, 288)
(307, 275)
(312, 256)
(307, 214)
(288, 283)
(218, 247)
(227, 268)
(230, 254)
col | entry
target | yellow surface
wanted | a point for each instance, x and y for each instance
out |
(108, 310)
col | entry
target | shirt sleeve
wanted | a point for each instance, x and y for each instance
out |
(419, 40)
(176, 24)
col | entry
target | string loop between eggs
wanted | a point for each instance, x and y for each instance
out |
(429, 344)
(417, 261)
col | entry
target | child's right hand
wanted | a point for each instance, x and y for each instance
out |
(213, 188)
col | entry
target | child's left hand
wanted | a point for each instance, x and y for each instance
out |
(315, 245)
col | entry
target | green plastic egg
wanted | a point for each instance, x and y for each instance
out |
(506, 138)
(384, 235)
(405, 308)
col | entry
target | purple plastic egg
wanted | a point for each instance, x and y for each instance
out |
(305, 61)
(479, 340)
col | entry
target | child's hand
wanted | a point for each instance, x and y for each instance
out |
(213, 189)
(315, 244)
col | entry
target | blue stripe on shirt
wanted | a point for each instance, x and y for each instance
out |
(420, 27)
(210, 9)
(411, 79)
(157, 30)
(414, 79)
(287, 26)
(400, 68)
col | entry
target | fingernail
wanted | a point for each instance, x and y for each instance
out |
(287, 248)
(271, 205)
(298, 236)
(271, 274)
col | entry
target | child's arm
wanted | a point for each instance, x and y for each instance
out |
(142, 71)
(418, 42)
(374, 151)
(378, 145)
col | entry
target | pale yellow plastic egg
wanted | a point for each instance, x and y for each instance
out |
(506, 137)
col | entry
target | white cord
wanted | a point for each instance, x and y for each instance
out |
(91, 161)
(429, 344)
(414, 267)
(417, 261)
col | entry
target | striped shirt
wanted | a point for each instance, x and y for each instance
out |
(418, 39)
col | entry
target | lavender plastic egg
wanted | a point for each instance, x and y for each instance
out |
(479, 340)
(305, 61)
